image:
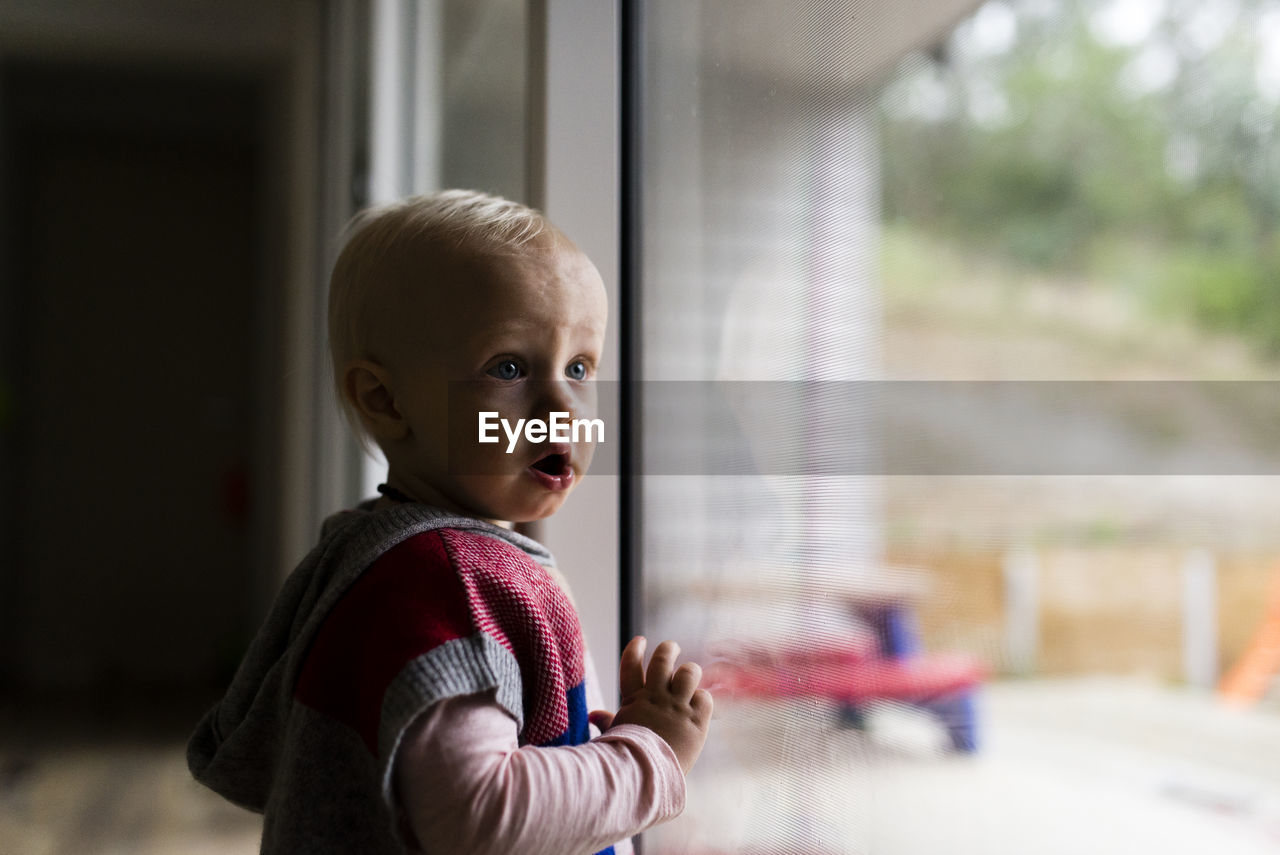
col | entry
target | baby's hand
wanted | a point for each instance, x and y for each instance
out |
(668, 703)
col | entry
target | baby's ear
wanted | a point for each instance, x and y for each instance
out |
(368, 389)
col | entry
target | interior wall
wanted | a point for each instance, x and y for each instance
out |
(158, 257)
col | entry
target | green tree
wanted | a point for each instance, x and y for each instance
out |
(1065, 150)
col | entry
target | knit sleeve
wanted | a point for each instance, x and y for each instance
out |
(461, 778)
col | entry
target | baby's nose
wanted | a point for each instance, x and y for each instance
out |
(557, 396)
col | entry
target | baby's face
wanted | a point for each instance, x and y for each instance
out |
(524, 333)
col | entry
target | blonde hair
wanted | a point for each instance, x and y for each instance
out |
(389, 244)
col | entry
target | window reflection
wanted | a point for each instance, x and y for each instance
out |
(1049, 193)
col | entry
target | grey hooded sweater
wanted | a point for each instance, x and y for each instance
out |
(394, 610)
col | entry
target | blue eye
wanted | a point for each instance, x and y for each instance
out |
(577, 370)
(507, 369)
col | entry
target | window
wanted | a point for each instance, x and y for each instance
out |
(943, 311)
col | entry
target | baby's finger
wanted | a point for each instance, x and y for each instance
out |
(602, 719)
(631, 668)
(702, 705)
(660, 665)
(685, 680)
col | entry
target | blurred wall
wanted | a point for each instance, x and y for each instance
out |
(157, 182)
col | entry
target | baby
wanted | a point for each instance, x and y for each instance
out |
(421, 683)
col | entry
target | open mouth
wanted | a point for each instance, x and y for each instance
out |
(553, 464)
(552, 469)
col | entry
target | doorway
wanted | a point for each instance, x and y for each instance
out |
(132, 298)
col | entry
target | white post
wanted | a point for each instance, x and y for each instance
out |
(1200, 619)
(1022, 610)
(388, 122)
(580, 195)
(842, 340)
(427, 103)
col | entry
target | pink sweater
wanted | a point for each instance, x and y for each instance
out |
(397, 691)
(462, 778)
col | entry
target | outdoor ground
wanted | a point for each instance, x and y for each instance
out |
(1102, 766)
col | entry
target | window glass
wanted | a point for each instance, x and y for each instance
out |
(958, 327)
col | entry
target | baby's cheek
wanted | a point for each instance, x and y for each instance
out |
(475, 459)
(583, 454)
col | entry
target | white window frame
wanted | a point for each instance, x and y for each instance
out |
(580, 188)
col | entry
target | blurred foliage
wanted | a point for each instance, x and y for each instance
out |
(1150, 162)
